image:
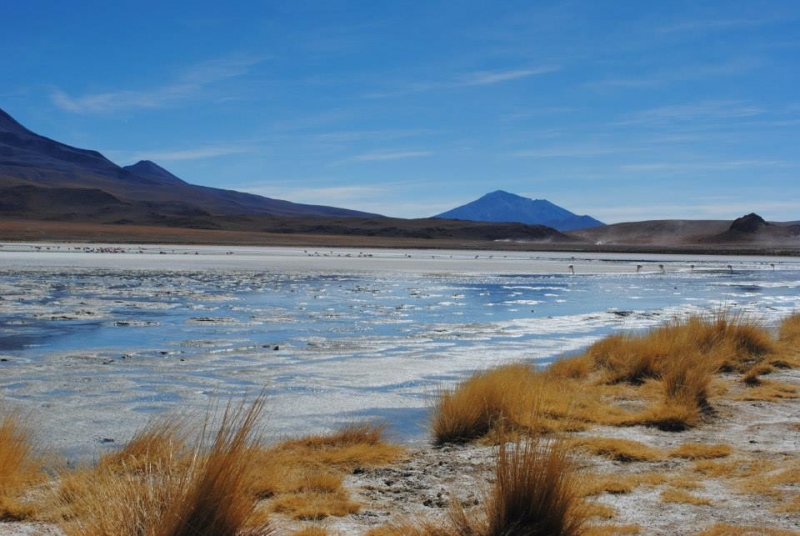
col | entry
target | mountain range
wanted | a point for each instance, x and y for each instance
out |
(53, 191)
(45, 176)
(48, 181)
(500, 206)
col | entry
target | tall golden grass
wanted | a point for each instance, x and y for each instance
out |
(162, 485)
(535, 493)
(20, 468)
(661, 378)
(486, 401)
(789, 330)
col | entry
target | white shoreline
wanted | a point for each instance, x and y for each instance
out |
(20, 255)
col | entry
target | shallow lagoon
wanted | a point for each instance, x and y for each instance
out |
(95, 340)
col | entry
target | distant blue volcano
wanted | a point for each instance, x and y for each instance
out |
(502, 206)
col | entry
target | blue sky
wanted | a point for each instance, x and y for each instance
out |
(625, 110)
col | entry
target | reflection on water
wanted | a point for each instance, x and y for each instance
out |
(100, 350)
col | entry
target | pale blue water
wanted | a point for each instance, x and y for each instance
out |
(110, 347)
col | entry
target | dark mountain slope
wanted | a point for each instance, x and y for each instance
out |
(27, 158)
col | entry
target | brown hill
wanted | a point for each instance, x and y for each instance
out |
(749, 232)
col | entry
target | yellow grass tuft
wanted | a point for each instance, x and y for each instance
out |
(485, 401)
(571, 368)
(304, 478)
(596, 510)
(778, 482)
(311, 530)
(789, 330)
(310, 504)
(160, 486)
(354, 445)
(724, 529)
(20, 468)
(629, 358)
(683, 497)
(593, 484)
(685, 482)
(701, 451)
(733, 468)
(519, 399)
(621, 450)
(609, 529)
(535, 492)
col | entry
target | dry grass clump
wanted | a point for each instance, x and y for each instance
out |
(662, 378)
(685, 383)
(517, 398)
(683, 356)
(592, 485)
(354, 445)
(753, 376)
(789, 330)
(701, 451)
(621, 450)
(535, 492)
(683, 497)
(779, 484)
(769, 391)
(483, 402)
(304, 478)
(726, 341)
(162, 486)
(311, 530)
(20, 468)
(629, 358)
(733, 468)
(724, 529)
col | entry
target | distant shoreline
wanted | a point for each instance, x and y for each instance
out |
(46, 231)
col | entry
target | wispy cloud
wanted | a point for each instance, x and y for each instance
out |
(704, 111)
(475, 78)
(687, 73)
(487, 78)
(626, 83)
(188, 86)
(713, 25)
(196, 153)
(348, 136)
(540, 112)
(707, 166)
(325, 195)
(573, 151)
(395, 155)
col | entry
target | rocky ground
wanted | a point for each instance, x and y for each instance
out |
(763, 435)
(672, 495)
